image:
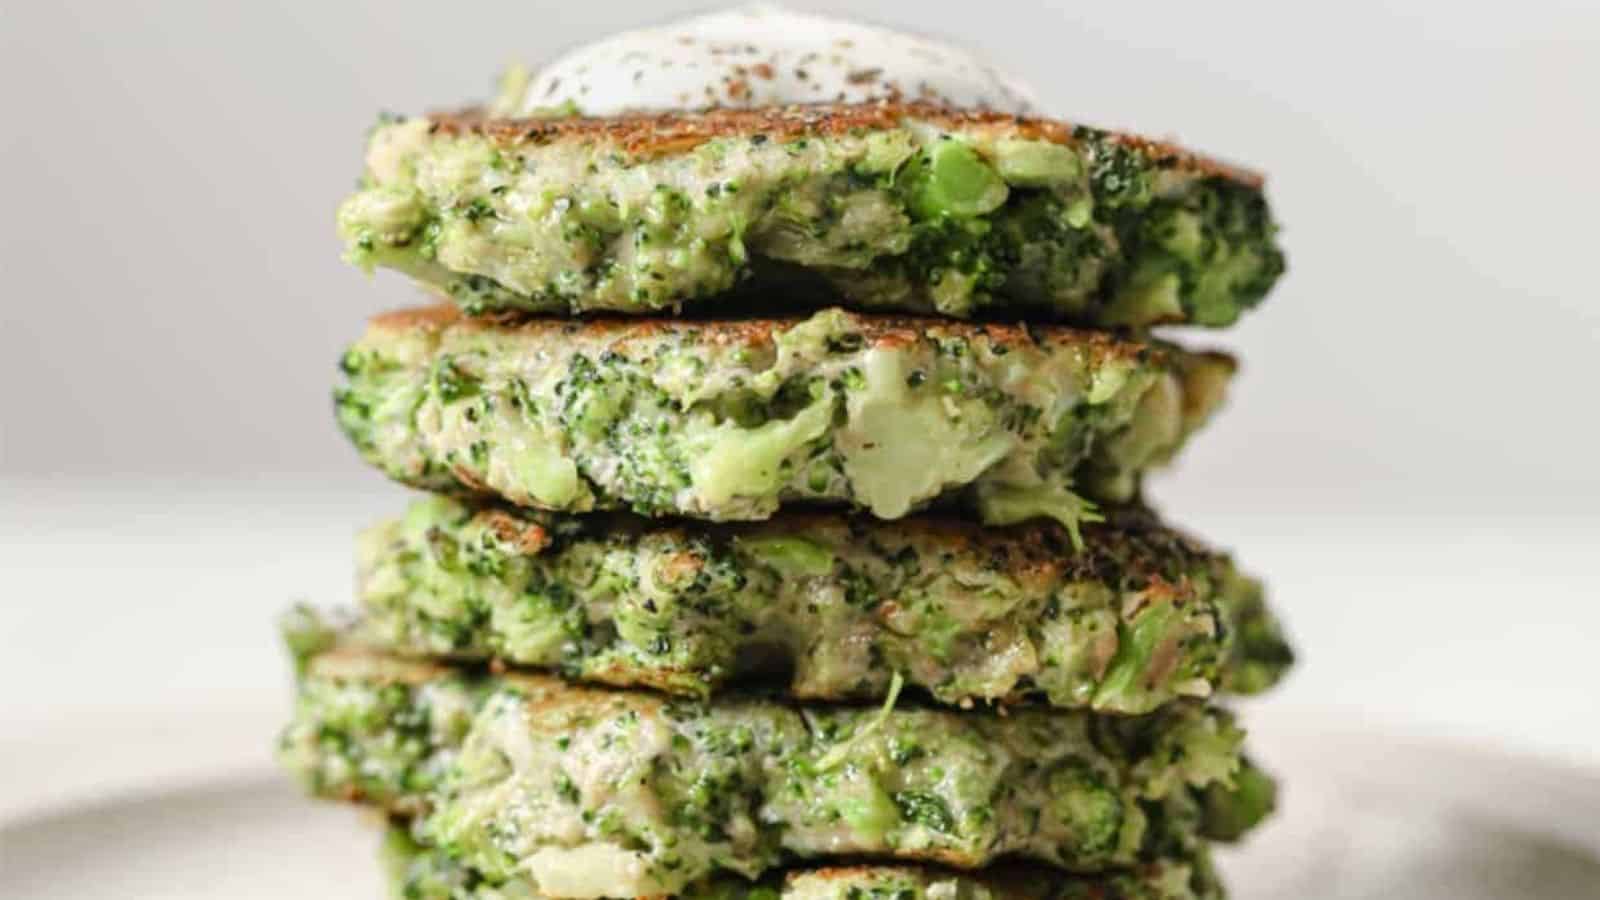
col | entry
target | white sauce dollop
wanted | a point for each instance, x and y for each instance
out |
(762, 56)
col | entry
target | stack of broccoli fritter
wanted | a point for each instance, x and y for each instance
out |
(784, 534)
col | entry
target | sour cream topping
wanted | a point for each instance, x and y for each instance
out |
(759, 56)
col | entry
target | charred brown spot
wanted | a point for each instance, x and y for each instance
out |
(432, 317)
(681, 566)
(527, 538)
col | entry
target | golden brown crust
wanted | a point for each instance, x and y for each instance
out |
(840, 873)
(435, 317)
(665, 678)
(547, 696)
(353, 661)
(1218, 358)
(886, 331)
(645, 135)
(1039, 550)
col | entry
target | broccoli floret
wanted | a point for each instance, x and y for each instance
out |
(1260, 653)
(1227, 813)
(1209, 252)
(1094, 810)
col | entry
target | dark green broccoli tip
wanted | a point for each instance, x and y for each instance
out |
(1226, 814)
(1213, 249)
(1261, 658)
(1203, 255)
(1093, 807)
(353, 414)
(1261, 653)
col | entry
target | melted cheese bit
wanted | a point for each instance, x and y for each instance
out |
(757, 56)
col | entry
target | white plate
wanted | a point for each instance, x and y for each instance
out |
(1365, 817)
(1362, 817)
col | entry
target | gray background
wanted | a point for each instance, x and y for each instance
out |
(175, 300)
